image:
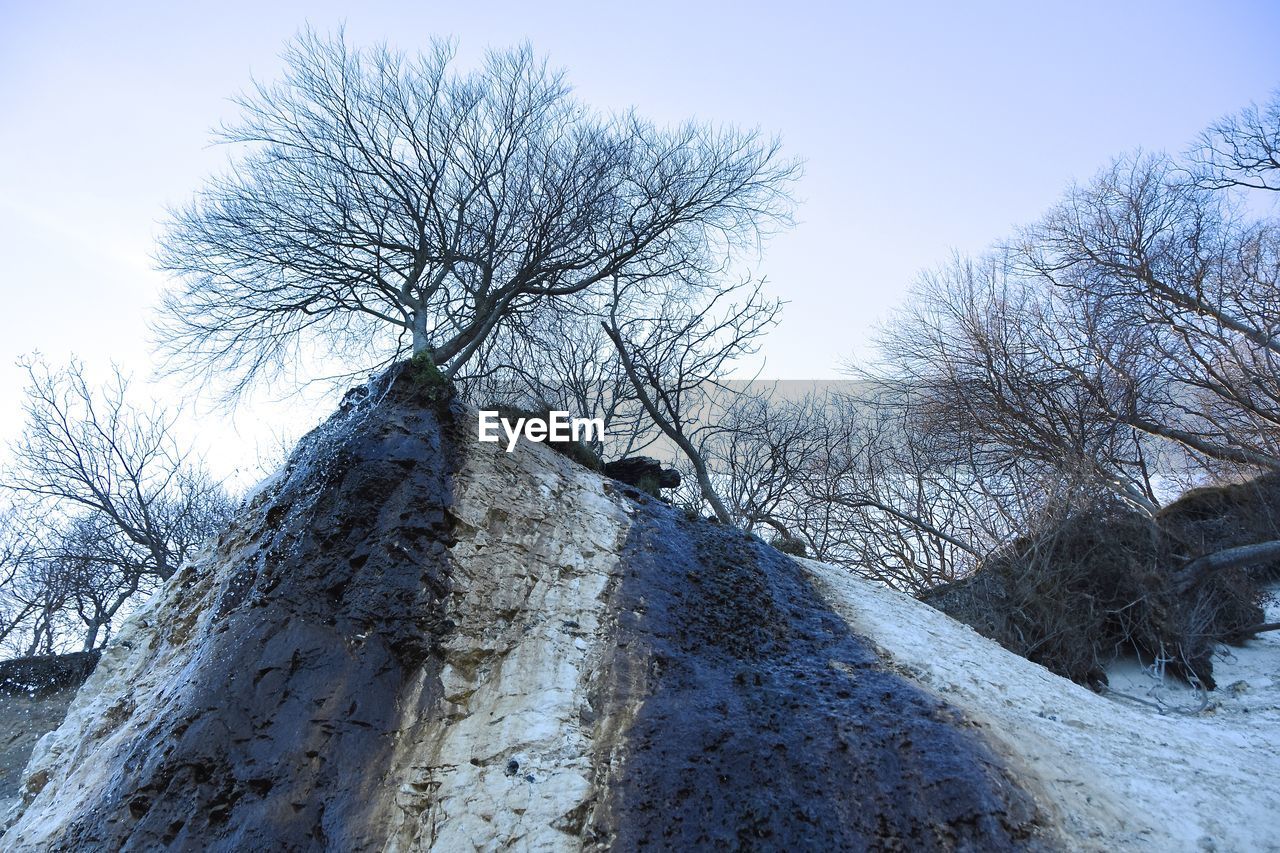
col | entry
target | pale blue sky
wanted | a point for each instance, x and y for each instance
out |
(926, 127)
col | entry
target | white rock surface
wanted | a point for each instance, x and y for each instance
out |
(537, 544)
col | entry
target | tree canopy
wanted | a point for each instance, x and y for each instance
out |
(380, 203)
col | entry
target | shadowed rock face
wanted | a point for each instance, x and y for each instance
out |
(402, 646)
(763, 723)
(329, 599)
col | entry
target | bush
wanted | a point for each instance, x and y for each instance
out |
(1214, 518)
(1093, 584)
(427, 378)
(45, 674)
(790, 545)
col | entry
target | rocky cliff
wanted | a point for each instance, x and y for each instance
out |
(408, 640)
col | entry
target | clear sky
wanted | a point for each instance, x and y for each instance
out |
(926, 127)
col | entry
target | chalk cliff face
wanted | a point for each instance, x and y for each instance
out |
(409, 640)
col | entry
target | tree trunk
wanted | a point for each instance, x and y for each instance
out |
(421, 343)
(1195, 571)
(91, 635)
(671, 430)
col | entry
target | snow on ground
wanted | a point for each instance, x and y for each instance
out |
(1110, 772)
(1248, 679)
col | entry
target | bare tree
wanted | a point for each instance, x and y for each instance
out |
(764, 446)
(384, 203)
(998, 370)
(890, 500)
(22, 599)
(562, 360)
(1190, 288)
(106, 506)
(676, 357)
(1130, 335)
(1242, 150)
(850, 474)
(87, 450)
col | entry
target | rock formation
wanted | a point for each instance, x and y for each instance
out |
(644, 473)
(408, 640)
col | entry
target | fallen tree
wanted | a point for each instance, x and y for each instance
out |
(1104, 580)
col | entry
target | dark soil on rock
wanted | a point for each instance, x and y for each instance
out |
(767, 725)
(282, 731)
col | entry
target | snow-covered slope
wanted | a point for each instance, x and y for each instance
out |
(1111, 773)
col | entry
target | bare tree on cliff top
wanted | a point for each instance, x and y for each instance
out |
(383, 203)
